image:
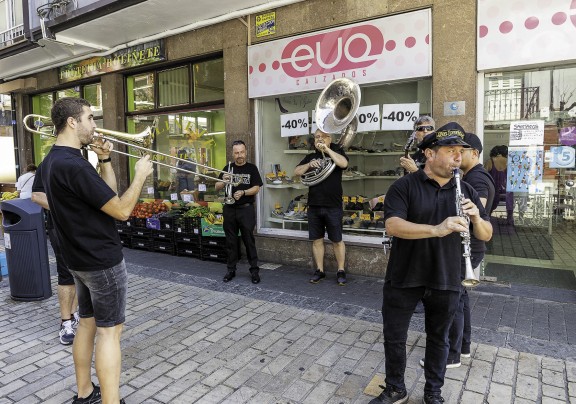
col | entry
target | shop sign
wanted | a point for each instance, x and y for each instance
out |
(525, 33)
(143, 54)
(399, 116)
(389, 48)
(265, 24)
(526, 133)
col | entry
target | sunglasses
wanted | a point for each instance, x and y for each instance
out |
(424, 128)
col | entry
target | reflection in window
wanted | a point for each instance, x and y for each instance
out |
(174, 87)
(68, 92)
(93, 94)
(140, 92)
(209, 81)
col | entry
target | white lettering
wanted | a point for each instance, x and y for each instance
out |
(308, 56)
(336, 59)
(364, 57)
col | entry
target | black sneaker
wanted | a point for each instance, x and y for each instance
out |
(94, 398)
(391, 396)
(229, 276)
(341, 278)
(432, 399)
(255, 275)
(318, 276)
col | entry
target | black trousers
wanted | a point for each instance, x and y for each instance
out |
(240, 218)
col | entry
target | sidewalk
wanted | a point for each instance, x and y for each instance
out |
(191, 338)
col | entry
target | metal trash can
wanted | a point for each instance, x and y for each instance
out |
(26, 250)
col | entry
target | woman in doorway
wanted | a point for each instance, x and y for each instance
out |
(497, 166)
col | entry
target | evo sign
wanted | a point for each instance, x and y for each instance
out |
(389, 48)
(143, 54)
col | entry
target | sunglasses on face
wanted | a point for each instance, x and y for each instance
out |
(424, 128)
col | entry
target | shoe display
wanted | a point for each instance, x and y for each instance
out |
(67, 333)
(318, 276)
(255, 275)
(391, 396)
(432, 399)
(229, 276)
(341, 278)
(94, 398)
(449, 365)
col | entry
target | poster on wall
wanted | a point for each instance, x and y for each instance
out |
(526, 133)
(562, 157)
(509, 32)
(390, 48)
(525, 169)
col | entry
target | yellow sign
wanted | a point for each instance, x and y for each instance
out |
(265, 24)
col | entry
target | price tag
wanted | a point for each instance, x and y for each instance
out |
(202, 187)
(150, 190)
(174, 197)
(399, 116)
(365, 216)
(368, 118)
(294, 124)
(313, 127)
(187, 197)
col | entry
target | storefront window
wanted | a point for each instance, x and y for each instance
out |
(93, 94)
(209, 81)
(140, 92)
(529, 140)
(373, 165)
(7, 171)
(197, 137)
(174, 87)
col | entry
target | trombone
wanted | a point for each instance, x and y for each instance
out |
(140, 141)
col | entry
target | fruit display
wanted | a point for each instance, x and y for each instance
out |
(6, 196)
(144, 210)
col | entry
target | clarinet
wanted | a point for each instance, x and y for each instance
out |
(470, 279)
(408, 145)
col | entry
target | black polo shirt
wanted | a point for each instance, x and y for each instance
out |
(76, 193)
(482, 183)
(431, 262)
(327, 193)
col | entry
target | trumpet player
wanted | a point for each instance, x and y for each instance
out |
(240, 216)
(325, 209)
(425, 259)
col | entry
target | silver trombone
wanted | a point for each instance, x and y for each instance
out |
(229, 199)
(140, 141)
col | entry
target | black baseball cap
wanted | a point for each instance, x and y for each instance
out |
(473, 141)
(450, 134)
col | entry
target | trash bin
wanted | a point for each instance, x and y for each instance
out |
(26, 250)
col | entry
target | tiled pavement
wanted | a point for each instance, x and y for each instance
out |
(190, 338)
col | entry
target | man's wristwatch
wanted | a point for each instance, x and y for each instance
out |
(105, 160)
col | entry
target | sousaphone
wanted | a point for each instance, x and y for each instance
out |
(336, 110)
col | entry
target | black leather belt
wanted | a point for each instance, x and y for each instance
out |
(244, 205)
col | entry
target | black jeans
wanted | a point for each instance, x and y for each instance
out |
(397, 310)
(240, 218)
(461, 330)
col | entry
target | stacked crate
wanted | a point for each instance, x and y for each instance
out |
(187, 237)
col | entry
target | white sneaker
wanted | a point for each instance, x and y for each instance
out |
(448, 365)
(75, 320)
(67, 333)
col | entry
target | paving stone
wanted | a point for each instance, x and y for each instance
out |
(527, 387)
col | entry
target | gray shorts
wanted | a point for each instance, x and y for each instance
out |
(102, 294)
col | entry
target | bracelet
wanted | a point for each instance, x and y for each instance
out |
(105, 160)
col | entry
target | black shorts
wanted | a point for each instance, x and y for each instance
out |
(325, 220)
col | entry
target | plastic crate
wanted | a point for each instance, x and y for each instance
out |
(189, 225)
(214, 254)
(141, 232)
(188, 249)
(188, 238)
(168, 222)
(164, 246)
(143, 243)
(163, 235)
(213, 242)
(137, 222)
(126, 240)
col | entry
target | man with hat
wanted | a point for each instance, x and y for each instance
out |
(425, 259)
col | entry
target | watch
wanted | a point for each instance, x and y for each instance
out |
(105, 160)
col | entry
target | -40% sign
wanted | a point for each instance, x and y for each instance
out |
(294, 124)
(399, 116)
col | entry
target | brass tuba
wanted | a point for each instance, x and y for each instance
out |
(336, 110)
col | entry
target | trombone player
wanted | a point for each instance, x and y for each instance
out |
(325, 209)
(84, 206)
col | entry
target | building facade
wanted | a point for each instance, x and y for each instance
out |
(255, 75)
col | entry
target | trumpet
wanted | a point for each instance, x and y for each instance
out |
(470, 279)
(140, 141)
(229, 199)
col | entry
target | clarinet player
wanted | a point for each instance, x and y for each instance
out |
(425, 259)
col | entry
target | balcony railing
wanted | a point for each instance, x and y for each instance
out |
(511, 104)
(7, 37)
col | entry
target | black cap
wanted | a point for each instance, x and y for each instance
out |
(473, 141)
(450, 134)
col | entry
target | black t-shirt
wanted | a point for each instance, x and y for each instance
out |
(327, 193)
(433, 262)
(76, 194)
(482, 183)
(419, 158)
(249, 177)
